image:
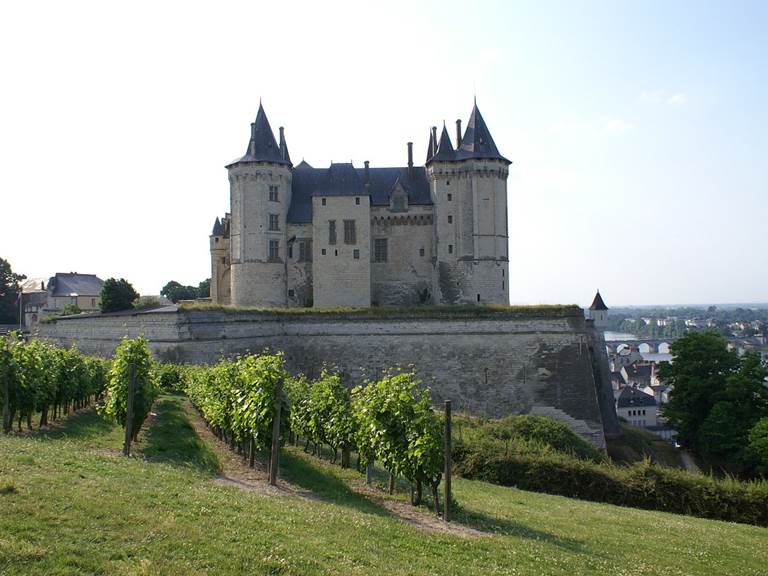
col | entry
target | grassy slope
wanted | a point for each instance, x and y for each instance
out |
(637, 443)
(69, 505)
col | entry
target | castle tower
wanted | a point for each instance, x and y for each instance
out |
(599, 312)
(260, 195)
(469, 192)
(221, 283)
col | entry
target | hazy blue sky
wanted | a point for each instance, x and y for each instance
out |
(638, 131)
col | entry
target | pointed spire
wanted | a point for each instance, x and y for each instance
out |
(597, 303)
(432, 148)
(284, 147)
(445, 151)
(216, 227)
(477, 141)
(262, 147)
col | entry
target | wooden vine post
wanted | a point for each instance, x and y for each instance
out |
(447, 473)
(6, 407)
(274, 453)
(129, 410)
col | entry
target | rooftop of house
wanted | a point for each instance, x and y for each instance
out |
(631, 397)
(74, 284)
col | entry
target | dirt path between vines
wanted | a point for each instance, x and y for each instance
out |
(237, 473)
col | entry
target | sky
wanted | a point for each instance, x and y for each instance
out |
(638, 131)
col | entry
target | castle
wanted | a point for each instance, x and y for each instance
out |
(346, 236)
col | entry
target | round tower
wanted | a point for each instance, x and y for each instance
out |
(260, 195)
(598, 312)
(469, 186)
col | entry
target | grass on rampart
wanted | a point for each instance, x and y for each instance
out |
(546, 310)
(72, 505)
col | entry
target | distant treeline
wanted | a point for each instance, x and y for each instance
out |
(633, 320)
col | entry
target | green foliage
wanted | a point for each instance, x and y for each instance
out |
(758, 446)
(522, 434)
(130, 354)
(170, 377)
(204, 288)
(238, 398)
(146, 302)
(117, 295)
(717, 398)
(70, 309)
(9, 289)
(642, 485)
(474, 310)
(175, 292)
(397, 427)
(39, 377)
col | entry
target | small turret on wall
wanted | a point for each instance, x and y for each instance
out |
(598, 312)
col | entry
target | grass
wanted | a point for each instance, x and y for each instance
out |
(71, 505)
(637, 444)
(549, 310)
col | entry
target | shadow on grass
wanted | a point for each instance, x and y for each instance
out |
(79, 426)
(172, 439)
(315, 477)
(491, 524)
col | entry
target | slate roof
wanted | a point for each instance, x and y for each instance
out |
(597, 303)
(66, 284)
(639, 371)
(308, 182)
(262, 146)
(632, 397)
(477, 143)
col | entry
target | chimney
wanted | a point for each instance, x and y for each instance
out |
(458, 133)
(410, 159)
(434, 135)
(253, 138)
(367, 175)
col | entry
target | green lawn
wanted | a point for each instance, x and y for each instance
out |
(69, 504)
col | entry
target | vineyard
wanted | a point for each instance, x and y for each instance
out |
(252, 403)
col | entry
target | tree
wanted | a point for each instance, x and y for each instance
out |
(701, 363)
(758, 445)
(9, 290)
(717, 398)
(117, 295)
(175, 292)
(204, 288)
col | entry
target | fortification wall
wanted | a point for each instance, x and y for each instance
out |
(488, 363)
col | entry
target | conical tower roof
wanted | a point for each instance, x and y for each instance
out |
(597, 303)
(478, 142)
(262, 146)
(432, 147)
(216, 227)
(445, 152)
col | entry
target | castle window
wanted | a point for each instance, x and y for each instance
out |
(421, 251)
(274, 250)
(350, 236)
(357, 201)
(216, 239)
(450, 219)
(291, 293)
(223, 259)
(322, 251)
(447, 182)
(331, 231)
(305, 250)
(380, 250)
(274, 222)
(502, 284)
(450, 248)
(273, 193)
(290, 251)
(356, 254)
(450, 197)
(323, 201)
(478, 297)
(93, 302)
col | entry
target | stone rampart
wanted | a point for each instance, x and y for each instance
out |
(489, 363)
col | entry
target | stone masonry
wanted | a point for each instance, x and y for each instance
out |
(489, 363)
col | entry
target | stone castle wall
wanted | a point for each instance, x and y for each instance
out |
(488, 363)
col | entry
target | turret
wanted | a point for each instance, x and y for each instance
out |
(260, 195)
(220, 261)
(598, 312)
(469, 191)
